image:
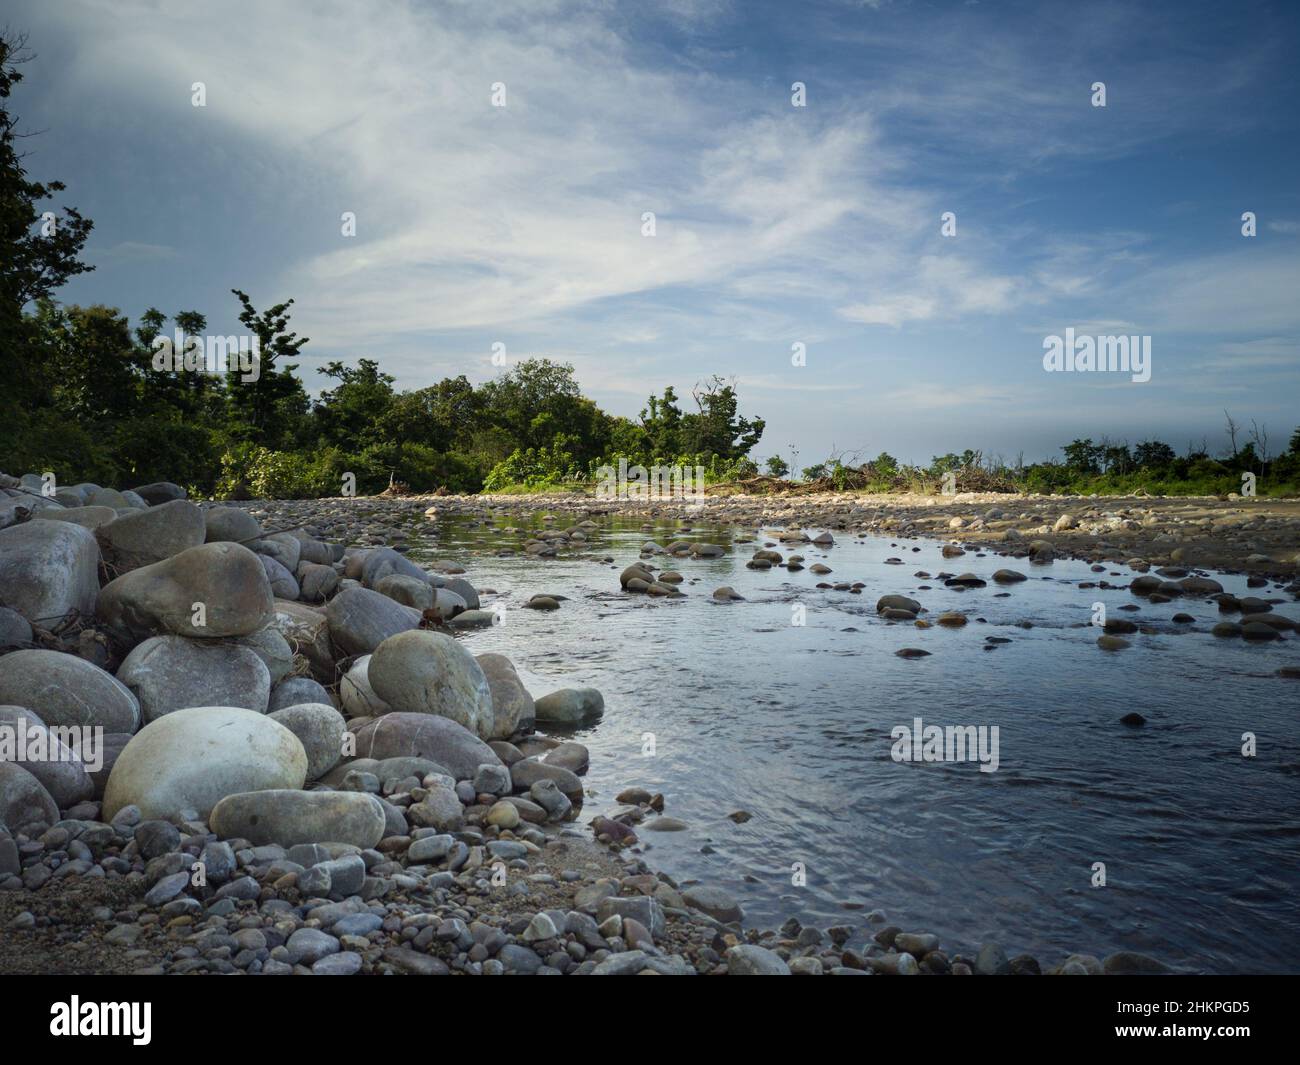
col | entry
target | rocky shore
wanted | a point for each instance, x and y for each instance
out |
(304, 768)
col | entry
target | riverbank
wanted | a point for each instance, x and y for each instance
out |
(484, 872)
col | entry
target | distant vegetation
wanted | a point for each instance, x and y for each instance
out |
(1086, 468)
(79, 396)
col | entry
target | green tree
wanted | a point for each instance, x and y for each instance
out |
(272, 406)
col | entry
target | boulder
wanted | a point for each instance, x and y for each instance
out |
(144, 537)
(169, 673)
(49, 570)
(284, 585)
(24, 802)
(57, 766)
(227, 579)
(358, 697)
(382, 561)
(63, 689)
(431, 736)
(361, 619)
(289, 818)
(316, 582)
(407, 590)
(422, 672)
(294, 691)
(160, 492)
(230, 524)
(570, 706)
(320, 729)
(183, 764)
(87, 517)
(512, 706)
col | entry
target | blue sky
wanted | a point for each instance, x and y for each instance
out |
(775, 224)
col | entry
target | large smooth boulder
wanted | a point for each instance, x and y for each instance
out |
(63, 689)
(512, 706)
(357, 695)
(87, 517)
(160, 492)
(439, 739)
(289, 818)
(422, 672)
(272, 648)
(320, 729)
(183, 764)
(284, 585)
(23, 800)
(361, 619)
(294, 691)
(57, 766)
(407, 590)
(570, 706)
(49, 570)
(382, 561)
(144, 537)
(461, 587)
(227, 579)
(169, 673)
(230, 524)
(316, 582)
(285, 548)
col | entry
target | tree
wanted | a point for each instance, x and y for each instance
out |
(1153, 454)
(350, 415)
(39, 252)
(271, 405)
(777, 466)
(1082, 456)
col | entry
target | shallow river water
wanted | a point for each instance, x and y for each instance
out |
(792, 723)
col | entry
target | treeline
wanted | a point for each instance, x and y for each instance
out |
(103, 409)
(1086, 468)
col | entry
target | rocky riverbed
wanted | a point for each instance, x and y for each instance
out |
(305, 768)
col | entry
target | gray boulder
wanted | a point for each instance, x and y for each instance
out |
(512, 706)
(226, 579)
(361, 619)
(23, 801)
(169, 673)
(160, 492)
(289, 818)
(424, 672)
(320, 729)
(294, 691)
(570, 706)
(52, 762)
(439, 739)
(144, 537)
(230, 524)
(49, 570)
(183, 764)
(63, 689)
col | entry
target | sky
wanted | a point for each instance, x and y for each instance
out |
(777, 229)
